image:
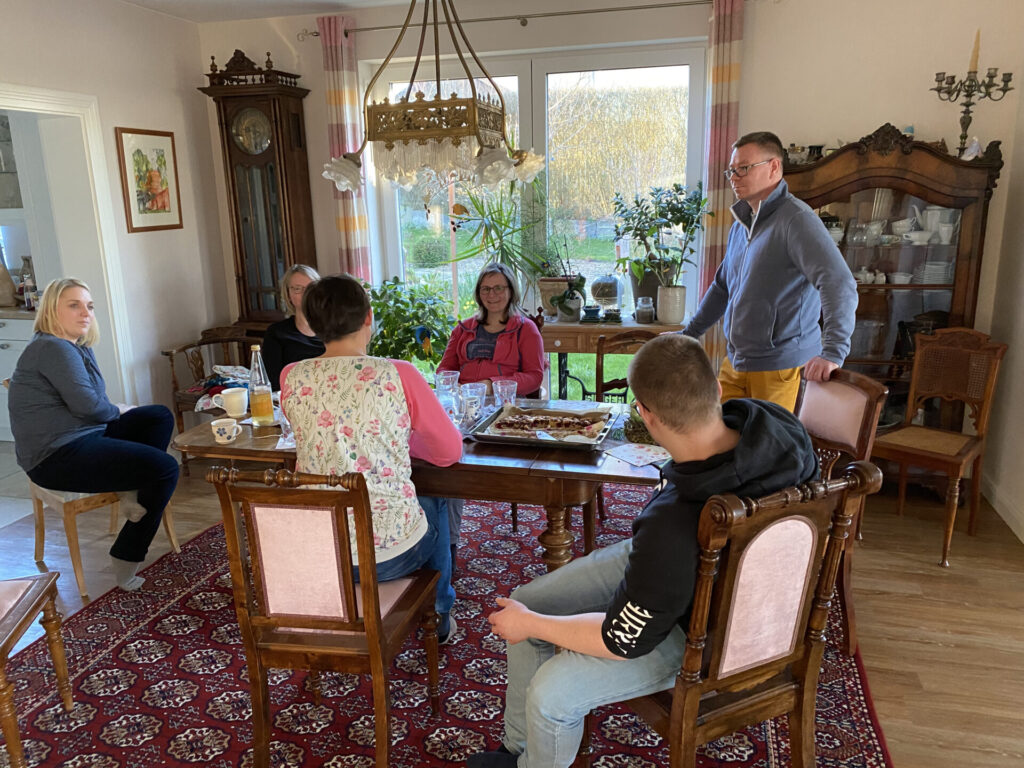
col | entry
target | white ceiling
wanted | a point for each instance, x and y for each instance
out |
(233, 10)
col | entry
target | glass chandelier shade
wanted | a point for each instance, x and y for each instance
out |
(454, 136)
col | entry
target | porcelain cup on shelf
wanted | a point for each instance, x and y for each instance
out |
(900, 227)
(900, 278)
(918, 238)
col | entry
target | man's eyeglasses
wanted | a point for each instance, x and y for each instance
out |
(742, 170)
(497, 290)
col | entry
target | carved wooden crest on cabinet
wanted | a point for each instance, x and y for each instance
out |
(263, 141)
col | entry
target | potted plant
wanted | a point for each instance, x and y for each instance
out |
(503, 226)
(568, 301)
(412, 322)
(662, 227)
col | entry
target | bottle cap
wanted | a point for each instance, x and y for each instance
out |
(255, 347)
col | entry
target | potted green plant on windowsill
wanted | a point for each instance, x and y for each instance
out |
(662, 227)
(569, 301)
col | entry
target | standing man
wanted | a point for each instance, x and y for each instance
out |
(781, 272)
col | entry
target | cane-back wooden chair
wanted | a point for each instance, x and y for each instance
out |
(756, 636)
(953, 364)
(298, 603)
(21, 601)
(841, 416)
(227, 345)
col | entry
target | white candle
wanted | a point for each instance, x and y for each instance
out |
(973, 66)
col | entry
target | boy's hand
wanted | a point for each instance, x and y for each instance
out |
(510, 622)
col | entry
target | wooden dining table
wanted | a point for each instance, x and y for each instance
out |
(552, 477)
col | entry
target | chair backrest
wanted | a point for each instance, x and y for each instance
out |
(765, 580)
(227, 345)
(956, 364)
(841, 416)
(290, 551)
(620, 343)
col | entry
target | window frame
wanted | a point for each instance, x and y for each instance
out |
(531, 70)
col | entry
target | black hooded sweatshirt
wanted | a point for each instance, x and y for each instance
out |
(656, 592)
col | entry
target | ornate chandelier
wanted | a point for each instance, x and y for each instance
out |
(460, 137)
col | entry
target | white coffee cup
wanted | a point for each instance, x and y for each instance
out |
(918, 238)
(235, 401)
(225, 430)
(899, 278)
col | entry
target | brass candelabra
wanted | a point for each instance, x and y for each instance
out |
(973, 90)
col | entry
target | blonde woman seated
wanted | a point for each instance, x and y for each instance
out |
(69, 437)
(291, 340)
(354, 413)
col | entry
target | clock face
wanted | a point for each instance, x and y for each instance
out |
(251, 132)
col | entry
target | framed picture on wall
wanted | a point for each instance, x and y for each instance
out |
(149, 179)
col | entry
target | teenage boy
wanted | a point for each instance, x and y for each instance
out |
(620, 613)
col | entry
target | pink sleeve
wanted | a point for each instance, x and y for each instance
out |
(531, 353)
(286, 393)
(434, 438)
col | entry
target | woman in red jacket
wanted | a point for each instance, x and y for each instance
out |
(499, 342)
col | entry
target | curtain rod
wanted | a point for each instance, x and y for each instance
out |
(524, 18)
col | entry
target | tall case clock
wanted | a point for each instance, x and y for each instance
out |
(263, 140)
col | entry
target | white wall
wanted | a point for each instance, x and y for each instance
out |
(143, 68)
(1003, 479)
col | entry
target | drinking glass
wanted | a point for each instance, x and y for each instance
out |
(453, 405)
(504, 391)
(473, 395)
(446, 381)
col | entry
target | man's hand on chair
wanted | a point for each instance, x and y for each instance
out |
(818, 369)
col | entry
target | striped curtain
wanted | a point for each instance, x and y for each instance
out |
(344, 133)
(726, 35)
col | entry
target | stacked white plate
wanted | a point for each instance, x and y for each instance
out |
(933, 272)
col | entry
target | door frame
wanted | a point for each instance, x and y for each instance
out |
(114, 310)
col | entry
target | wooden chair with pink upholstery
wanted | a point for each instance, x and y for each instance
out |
(757, 628)
(21, 601)
(841, 416)
(298, 604)
(953, 364)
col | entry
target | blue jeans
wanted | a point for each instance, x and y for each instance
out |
(432, 551)
(130, 454)
(549, 693)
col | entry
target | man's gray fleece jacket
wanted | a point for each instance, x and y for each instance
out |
(781, 272)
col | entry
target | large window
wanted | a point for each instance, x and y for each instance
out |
(609, 121)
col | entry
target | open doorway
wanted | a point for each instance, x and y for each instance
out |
(66, 220)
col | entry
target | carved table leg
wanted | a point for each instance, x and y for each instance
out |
(9, 721)
(952, 501)
(556, 539)
(51, 623)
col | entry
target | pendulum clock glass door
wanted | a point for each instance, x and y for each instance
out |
(262, 239)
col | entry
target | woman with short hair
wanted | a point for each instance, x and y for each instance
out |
(291, 340)
(68, 436)
(351, 412)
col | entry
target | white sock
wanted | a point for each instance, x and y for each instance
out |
(124, 574)
(130, 505)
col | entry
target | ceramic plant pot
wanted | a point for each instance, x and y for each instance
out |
(671, 304)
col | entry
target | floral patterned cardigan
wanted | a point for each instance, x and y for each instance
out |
(370, 415)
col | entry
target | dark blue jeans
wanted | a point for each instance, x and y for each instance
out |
(130, 454)
(432, 551)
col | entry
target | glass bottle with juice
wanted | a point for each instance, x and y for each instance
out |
(261, 403)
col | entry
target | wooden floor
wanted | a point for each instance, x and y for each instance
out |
(943, 647)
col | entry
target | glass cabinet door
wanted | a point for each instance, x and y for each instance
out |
(902, 252)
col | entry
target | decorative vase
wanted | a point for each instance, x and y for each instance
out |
(671, 304)
(649, 285)
(606, 291)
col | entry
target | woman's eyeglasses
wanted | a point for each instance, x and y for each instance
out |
(497, 290)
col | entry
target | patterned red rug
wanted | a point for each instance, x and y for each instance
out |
(159, 678)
